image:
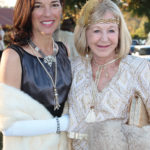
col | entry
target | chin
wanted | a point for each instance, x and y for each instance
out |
(107, 54)
(46, 33)
(104, 55)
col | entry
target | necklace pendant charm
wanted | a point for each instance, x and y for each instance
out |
(49, 60)
(57, 106)
(91, 117)
(37, 49)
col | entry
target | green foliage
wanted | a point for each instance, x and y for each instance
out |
(140, 7)
(147, 27)
(135, 25)
(73, 4)
(72, 8)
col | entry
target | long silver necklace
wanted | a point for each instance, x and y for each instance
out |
(57, 105)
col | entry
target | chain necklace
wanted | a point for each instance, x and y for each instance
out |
(47, 59)
(99, 70)
(57, 106)
(91, 116)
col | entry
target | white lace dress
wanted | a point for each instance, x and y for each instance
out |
(113, 101)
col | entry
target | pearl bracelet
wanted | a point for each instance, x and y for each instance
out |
(58, 126)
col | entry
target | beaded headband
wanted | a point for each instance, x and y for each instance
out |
(111, 20)
(86, 12)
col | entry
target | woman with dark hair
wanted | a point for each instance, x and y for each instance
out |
(35, 76)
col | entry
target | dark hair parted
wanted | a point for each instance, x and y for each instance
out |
(22, 21)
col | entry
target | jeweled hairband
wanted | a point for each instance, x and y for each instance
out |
(111, 20)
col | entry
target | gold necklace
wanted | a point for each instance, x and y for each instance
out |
(57, 105)
(99, 70)
(91, 116)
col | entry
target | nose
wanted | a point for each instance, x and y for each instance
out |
(47, 11)
(104, 36)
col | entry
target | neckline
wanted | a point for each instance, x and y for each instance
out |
(114, 78)
(109, 62)
(37, 49)
(34, 55)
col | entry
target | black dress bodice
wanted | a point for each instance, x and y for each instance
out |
(37, 83)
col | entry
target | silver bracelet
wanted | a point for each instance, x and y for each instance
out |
(58, 126)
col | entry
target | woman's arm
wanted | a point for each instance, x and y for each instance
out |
(37, 127)
(10, 74)
(10, 68)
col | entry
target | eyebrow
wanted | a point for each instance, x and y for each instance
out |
(55, 1)
(51, 2)
(100, 27)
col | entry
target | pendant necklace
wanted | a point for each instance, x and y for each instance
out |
(100, 68)
(49, 60)
(91, 116)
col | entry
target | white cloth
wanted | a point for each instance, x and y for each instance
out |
(113, 101)
(36, 127)
(16, 105)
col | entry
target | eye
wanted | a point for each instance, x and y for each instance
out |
(55, 5)
(96, 31)
(37, 6)
(111, 30)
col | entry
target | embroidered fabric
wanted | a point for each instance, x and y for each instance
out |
(113, 101)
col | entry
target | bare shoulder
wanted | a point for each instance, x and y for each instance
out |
(11, 55)
(10, 68)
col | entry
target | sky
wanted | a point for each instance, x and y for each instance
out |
(7, 3)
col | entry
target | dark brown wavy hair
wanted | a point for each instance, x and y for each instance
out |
(22, 23)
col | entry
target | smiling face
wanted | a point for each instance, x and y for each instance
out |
(46, 16)
(102, 38)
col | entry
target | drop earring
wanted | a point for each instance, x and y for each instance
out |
(87, 52)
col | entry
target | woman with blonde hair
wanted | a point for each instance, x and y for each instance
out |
(105, 77)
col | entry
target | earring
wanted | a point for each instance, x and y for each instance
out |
(87, 52)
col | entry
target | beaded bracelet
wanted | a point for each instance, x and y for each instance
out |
(58, 126)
